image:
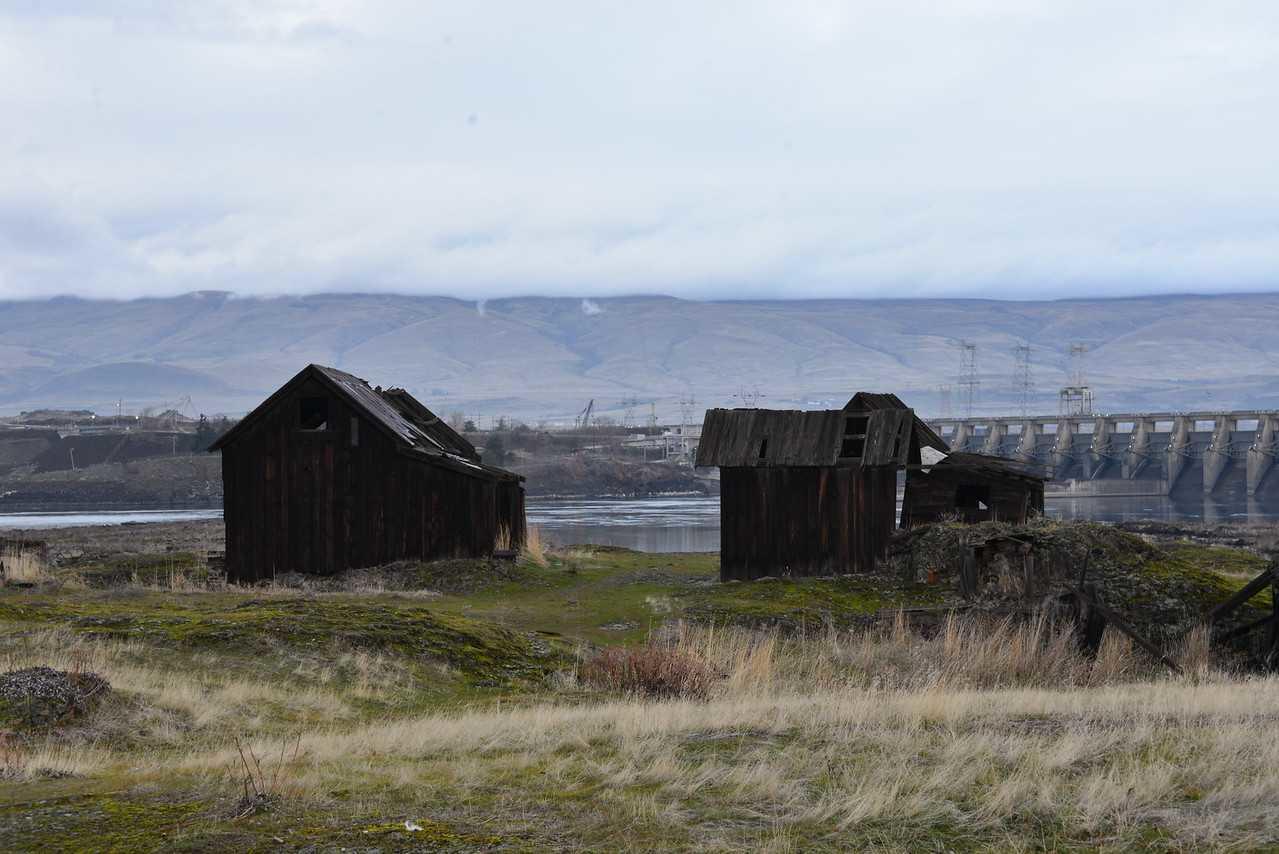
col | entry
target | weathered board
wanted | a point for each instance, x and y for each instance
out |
(804, 521)
(353, 494)
(951, 488)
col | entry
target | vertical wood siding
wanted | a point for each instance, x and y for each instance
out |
(804, 521)
(305, 502)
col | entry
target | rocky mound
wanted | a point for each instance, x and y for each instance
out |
(1163, 589)
(42, 696)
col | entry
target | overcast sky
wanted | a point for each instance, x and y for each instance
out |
(999, 148)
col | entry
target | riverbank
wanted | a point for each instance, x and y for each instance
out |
(602, 699)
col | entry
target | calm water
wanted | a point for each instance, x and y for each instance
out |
(74, 520)
(692, 524)
(647, 524)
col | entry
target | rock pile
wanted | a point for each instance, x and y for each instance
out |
(42, 696)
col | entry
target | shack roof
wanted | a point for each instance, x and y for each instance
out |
(775, 437)
(413, 427)
(991, 465)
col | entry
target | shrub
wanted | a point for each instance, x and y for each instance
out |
(652, 670)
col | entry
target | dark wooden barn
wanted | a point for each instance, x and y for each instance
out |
(810, 493)
(329, 474)
(974, 488)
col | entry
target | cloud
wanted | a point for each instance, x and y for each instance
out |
(980, 148)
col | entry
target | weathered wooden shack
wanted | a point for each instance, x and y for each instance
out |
(329, 474)
(974, 488)
(810, 492)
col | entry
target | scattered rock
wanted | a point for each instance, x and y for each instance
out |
(42, 696)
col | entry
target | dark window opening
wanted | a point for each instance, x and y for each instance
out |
(972, 496)
(355, 432)
(763, 448)
(854, 443)
(313, 413)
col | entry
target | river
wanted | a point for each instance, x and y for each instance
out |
(691, 524)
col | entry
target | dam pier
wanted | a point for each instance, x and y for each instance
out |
(1227, 454)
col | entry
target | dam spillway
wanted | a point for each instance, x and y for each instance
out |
(1154, 453)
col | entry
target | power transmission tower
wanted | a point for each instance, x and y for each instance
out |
(628, 410)
(968, 382)
(686, 404)
(1023, 382)
(1076, 398)
(944, 401)
(749, 398)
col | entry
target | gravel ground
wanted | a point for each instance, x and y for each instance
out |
(69, 545)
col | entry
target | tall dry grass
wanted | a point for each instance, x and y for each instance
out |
(994, 730)
(534, 550)
(962, 653)
(22, 566)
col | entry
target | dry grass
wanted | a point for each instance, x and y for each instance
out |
(653, 670)
(534, 550)
(987, 734)
(1194, 760)
(962, 653)
(22, 566)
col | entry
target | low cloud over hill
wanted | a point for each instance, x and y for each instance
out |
(544, 358)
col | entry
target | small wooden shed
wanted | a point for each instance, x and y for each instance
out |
(974, 487)
(330, 474)
(810, 492)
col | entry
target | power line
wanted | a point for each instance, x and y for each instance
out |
(968, 382)
(1023, 382)
(944, 401)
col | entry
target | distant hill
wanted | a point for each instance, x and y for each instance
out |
(535, 358)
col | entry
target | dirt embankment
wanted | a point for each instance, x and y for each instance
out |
(195, 481)
(182, 481)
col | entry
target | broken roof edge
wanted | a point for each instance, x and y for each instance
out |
(328, 377)
(991, 463)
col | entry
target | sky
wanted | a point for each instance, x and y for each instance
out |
(983, 148)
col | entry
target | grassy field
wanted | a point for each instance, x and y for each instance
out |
(466, 705)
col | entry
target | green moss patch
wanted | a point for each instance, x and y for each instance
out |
(148, 569)
(794, 604)
(484, 652)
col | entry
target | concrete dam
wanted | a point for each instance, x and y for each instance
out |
(1225, 455)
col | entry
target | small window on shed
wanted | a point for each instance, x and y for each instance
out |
(355, 431)
(763, 449)
(313, 413)
(854, 443)
(972, 496)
